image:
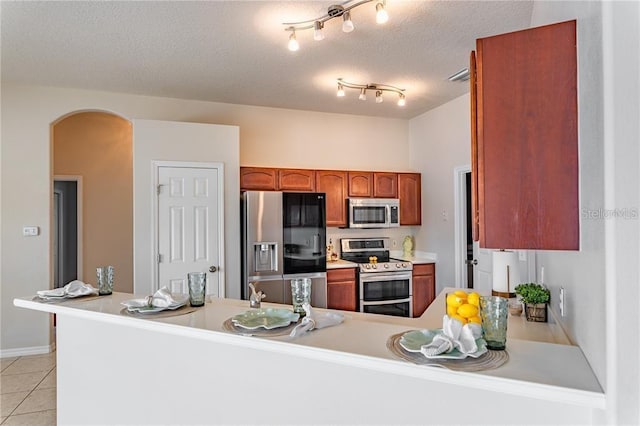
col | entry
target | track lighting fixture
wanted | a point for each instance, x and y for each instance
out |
(378, 88)
(334, 11)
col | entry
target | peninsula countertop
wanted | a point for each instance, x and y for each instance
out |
(538, 369)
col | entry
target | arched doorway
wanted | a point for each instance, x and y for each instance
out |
(96, 149)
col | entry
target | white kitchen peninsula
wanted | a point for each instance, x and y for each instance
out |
(115, 369)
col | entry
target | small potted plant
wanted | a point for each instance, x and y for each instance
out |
(535, 298)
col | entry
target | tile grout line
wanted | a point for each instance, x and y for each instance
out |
(30, 392)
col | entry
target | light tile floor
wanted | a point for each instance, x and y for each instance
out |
(28, 390)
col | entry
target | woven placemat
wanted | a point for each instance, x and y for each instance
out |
(229, 326)
(488, 361)
(186, 309)
(65, 299)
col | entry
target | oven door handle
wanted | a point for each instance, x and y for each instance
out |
(372, 277)
(387, 302)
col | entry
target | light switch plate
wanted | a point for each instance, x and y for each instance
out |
(30, 231)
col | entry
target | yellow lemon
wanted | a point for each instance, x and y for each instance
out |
(452, 310)
(467, 310)
(461, 294)
(459, 318)
(473, 299)
(477, 320)
(453, 300)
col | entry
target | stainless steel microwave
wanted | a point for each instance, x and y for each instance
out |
(374, 212)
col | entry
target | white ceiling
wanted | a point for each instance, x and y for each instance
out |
(235, 51)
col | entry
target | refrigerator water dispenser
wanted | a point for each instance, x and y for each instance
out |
(265, 257)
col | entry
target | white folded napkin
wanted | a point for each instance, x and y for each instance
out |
(314, 319)
(454, 336)
(75, 288)
(160, 299)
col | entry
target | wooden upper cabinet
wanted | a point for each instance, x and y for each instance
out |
(360, 184)
(258, 178)
(296, 180)
(527, 139)
(385, 185)
(334, 184)
(410, 194)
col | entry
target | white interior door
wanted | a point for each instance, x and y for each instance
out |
(189, 226)
(482, 271)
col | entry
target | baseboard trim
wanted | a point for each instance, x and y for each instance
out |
(33, 350)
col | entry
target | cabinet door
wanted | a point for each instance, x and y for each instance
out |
(385, 185)
(528, 139)
(410, 194)
(341, 289)
(334, 184)
(424, 287)
(473, 92)
(296, 180)
(258, 178)
(360, 184)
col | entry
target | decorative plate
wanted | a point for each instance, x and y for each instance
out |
(267, 318)
(412, 341)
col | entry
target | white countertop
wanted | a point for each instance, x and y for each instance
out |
(548, 371)
(340, 263)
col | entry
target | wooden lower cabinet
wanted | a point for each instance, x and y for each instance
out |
(342, 289)
(424, 287)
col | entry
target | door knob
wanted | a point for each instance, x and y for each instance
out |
(471, 262)
(212, 269)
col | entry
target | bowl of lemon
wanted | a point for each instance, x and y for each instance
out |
(463, 306)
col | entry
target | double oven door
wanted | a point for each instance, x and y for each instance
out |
(386, 293)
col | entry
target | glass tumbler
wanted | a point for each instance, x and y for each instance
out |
(493, 312)
(197, 287)
(104, 275)
(300, 294)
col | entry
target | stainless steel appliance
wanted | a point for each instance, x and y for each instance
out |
(374, 212)
(284, 237)
(384, 283)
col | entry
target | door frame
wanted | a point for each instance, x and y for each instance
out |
(460, 225)
(156, 165)
(79, 221)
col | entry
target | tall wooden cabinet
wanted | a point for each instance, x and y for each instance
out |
(524, 111)
(410, 195)
(334, 184)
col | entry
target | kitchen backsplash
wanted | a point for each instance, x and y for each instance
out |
(396, 235)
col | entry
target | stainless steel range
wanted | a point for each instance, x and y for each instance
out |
(384, 283)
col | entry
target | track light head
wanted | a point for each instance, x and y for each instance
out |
(381, 13)
(402, 100)
(340, 93)
(347, 23)
(363, 94)
(317, 31)
(293, 42)
(379, 98)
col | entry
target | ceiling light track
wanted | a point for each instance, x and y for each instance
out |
(379, 89)
(334, 11)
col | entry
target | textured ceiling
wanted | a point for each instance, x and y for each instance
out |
(235, 51)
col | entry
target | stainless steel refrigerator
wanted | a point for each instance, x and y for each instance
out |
(284, 237)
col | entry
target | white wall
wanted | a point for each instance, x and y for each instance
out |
(267, 137)
(440, 141)
(155, 140)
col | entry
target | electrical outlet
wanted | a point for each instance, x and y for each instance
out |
(522, 255)
(394, 243)
(561, 302)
